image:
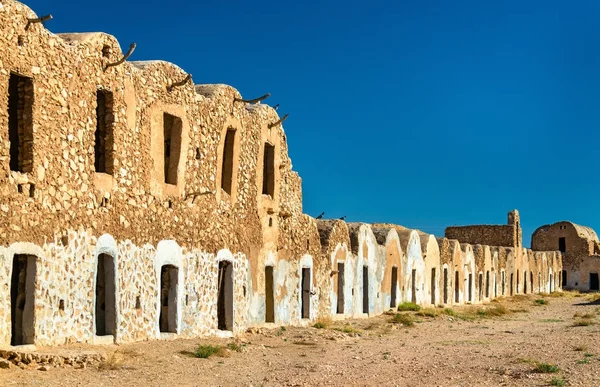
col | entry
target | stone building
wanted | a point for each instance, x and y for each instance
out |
(497, 263)
(580, 248)
(136, 205)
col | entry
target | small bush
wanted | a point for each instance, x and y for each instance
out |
(350, 329)
(235, 347)
(546, 368)
(404, 319)
(322, 323)
(449, 312)
(541, 301)
(582, 322)
(347, 329)
(408, 307)
(558, 381)
(429, 312)
(112, 362)
(557, 294)
(494, 311)
(206, 351)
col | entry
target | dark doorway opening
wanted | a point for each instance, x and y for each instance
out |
(511, 283)
(470, 287)
(551, 283)
(456, 288)
(414, 286)
(480, 278)
(564, 278)
(433, 287)
(269, 295)
(503, 282)
(225, 301)
(340, 288)
(394, 288)
(487, 284)
(531, 281)
(22, 299)
(518, 281)
(169, 277)
(594, 283)
(306, 292)
(495, 284)
(445, 285)
(365, 300)
(562, 244)
(227, 167)
(106, 306)
(525, 282)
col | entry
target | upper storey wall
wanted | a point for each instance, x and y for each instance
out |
(163, 151)
(483, 235)
(510, 235)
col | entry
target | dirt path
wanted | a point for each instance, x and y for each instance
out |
(443, 350)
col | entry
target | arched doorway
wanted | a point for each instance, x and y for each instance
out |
(225, 296)
(106, 307)
(169, 278)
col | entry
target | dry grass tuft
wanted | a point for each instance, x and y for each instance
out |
(323, 322)
(113, 362)
(429, 312)
(583, 322)
(404, 319)
(206, 351)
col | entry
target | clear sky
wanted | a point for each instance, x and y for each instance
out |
(422, 113)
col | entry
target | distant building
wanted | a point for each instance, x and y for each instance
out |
(581, 252)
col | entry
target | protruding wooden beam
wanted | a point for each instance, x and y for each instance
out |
(180, 83)
(255, 100)
(123, 59)
(37, 20)
(280, 121)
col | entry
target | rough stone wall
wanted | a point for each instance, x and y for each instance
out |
(134, 204)
(483, 235)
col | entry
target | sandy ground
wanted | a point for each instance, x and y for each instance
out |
(436, 351)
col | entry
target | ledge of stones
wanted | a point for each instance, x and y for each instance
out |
(47, 361)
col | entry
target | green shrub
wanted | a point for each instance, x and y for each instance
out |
(408, 307)
(206, 351)
(404, 319)
(541, 301)
(235, 347)
(429, 312)
(546, 368)
(558, 381)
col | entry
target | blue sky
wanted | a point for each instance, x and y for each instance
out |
(422, 113)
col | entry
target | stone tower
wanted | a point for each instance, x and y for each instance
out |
(515, 221)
